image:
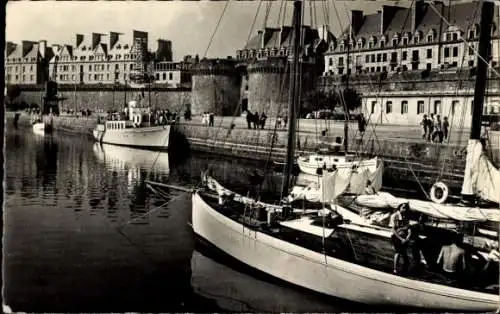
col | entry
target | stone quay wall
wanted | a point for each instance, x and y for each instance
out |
(105, 97)
(404, 159)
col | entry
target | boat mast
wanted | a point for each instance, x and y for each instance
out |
(482, 67)
(342, 98)
(294, 93)
(479, 91)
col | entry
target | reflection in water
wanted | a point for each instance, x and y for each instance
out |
(84, 234)
(236, 288)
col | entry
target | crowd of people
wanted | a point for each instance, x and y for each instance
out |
(433, 129)
(453, 257)
(258, 121)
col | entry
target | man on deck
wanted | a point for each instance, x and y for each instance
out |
(453, 257)
(400, 236)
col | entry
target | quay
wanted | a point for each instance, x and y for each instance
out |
(405, 154)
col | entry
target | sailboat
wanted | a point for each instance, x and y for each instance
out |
(318, 251)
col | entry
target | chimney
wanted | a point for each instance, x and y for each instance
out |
(113, 39)
(26, 46)
(10, 48)
(42, 47)
(356, 21)
(164, 50)
(417, 14)
(79, 40)
(386, 16)
(96, 40)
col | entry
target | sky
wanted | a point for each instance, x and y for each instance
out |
(188, 24)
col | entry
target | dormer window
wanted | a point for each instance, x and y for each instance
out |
(125, 47)
(360, 44)
(118, 46)
(471, 34)
(448, 37)
(341, 47)
(455, 36)
(405, 41)
(430, 38)
(394, 41)
(84, 48)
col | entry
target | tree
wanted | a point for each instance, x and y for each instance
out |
(352, 99)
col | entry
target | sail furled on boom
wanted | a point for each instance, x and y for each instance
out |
(481, 178)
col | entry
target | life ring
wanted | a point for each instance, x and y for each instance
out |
(444, 192)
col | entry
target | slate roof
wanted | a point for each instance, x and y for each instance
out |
(273, 36)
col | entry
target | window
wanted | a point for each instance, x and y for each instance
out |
(164, 76)
(471, 34)
(454, 107)
(404, 107)
(32, 77)
(370, 44)
(448, 37)
(405, 41)
(170, 76)
(374, 104)
(429, 53)
(330, 61)
(382, 43)
(403, 57)
(90, 67)
(379, 57)
(420, 107)
(341, 61)
(471, 50)
(455, 51)
(384, 69)
(446, 52)
(471, 63)
(455, 36)
(373, 58)
(384, 57)
(24, 78)
(437, 107)
(378, 69)
(394, 42)
(367, 58)
(388, 107)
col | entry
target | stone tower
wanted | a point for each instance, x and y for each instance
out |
(216, 87)
(266, 79)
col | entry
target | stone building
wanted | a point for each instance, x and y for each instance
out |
(27, 63)
(408, 62)
(264, 64)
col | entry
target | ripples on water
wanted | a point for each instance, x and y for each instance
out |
(83, 234)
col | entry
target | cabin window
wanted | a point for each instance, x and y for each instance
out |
(420, 107)
(404, 107)
(388, 107)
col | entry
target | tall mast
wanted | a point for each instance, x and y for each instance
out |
(482, 67)
(294, 93)
(468, 185)
(346, 110)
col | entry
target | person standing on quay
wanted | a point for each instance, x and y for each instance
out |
(211, 117)
(425, 127)
(430, 127)
(446, 126)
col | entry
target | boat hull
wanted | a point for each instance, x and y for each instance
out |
(42, 128)
(156, 138)
(312, 167)
(325, 274)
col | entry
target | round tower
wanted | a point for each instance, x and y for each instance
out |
(269, 81)
(216, 87)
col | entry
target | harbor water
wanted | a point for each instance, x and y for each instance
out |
(84, 234)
